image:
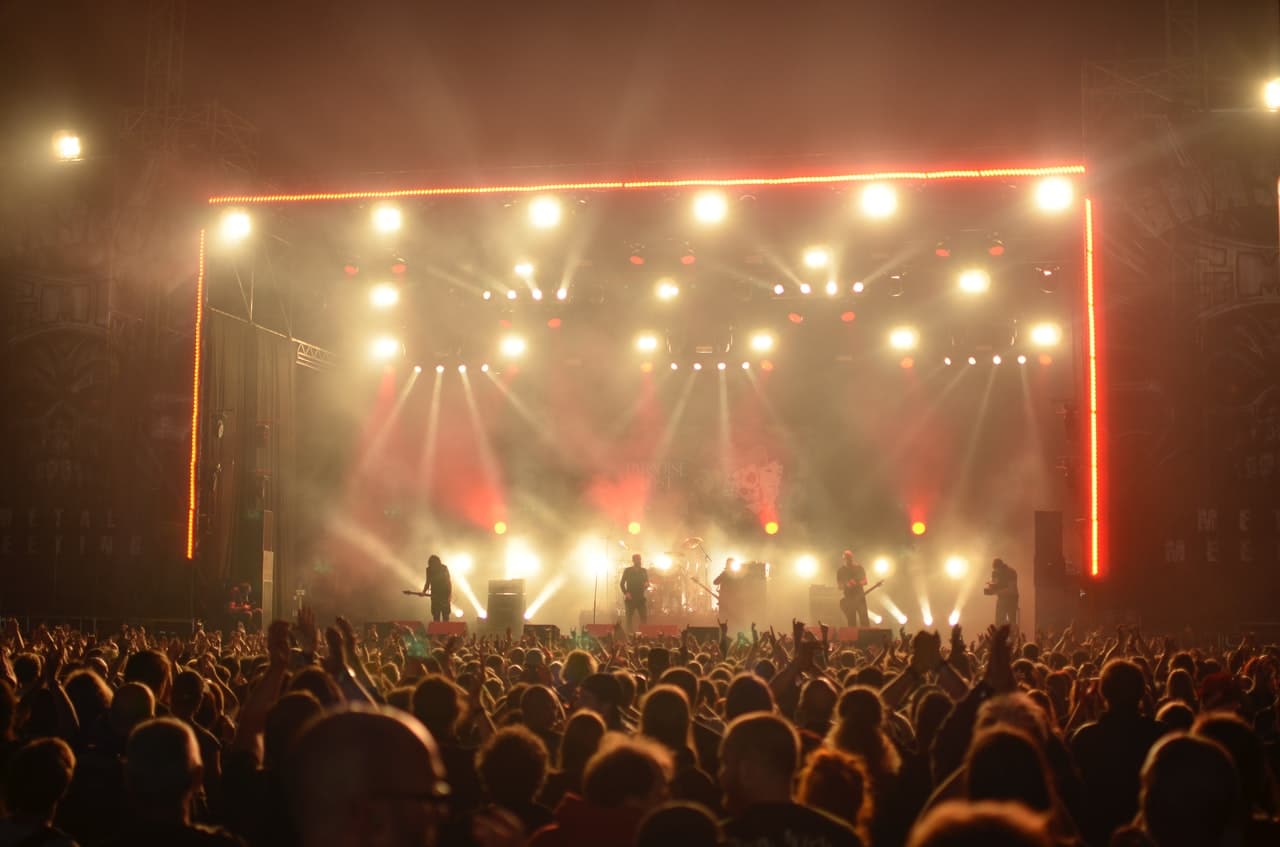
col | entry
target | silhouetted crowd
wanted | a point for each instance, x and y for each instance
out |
(297, 736)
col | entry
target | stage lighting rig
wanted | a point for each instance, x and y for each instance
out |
(904, 338)
(710, 207)
(879, 200)
(975, 281)
(387, 218)
(67, 147)
(1054, 194)
(544, 212)
(236, 226)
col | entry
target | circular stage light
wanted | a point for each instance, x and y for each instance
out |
(918, 528)
(995, 360)
(486, 295)
(710, 207)
(674, 366)
(1271, 95)
(720, 365)
(544, 212)
(807, 567)
(697, 366)
(746, 366)
(771, 528)
(817, 257)
(67, 147)
(904, 338)
(946, 360)
(832, 288)
(1054, 194)
(647, 343)
(956, 567)
(881, 566)
(667, 289)
(385, 347)
(848, 317)
(562, 294)
(1022, 360)
(1046, 334)
(439, 369)
(879, 200)
(417, 369)
(386, 218)
(973, 360)
(236, 226)
(384, 295)
(462, 369)
(779, 289)
(524, 270)
(975, 281)
(859, 287)
(500, 528)
(634, 527)
(762, 342)
(536, 294)
(513, 346)
(512, 294)
(806, 288)
(663, 562)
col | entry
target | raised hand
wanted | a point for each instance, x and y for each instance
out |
(926, 652)
(306, 632)
(278, 643)
(999, 674)
(336, 662)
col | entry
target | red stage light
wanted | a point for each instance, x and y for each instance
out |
(796, 318)
(918, 528)
(907, 363)
(195, 405)
(399, 268)
(350, 269)
(500, 528)
(1046, 359)
(554, 323)
(847, 317)
(1095, 469)
(771, 528)
(942, 251)
(688, 259)
(996, 249)
(504, 323)
(636, 259)
(646, 367)
(766, 365)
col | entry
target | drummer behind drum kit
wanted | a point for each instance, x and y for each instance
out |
(672, 587)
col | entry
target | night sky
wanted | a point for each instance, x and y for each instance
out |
(339, 88)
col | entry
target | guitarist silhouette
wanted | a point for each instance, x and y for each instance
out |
(852, 579)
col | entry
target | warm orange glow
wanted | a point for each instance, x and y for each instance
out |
(1095, 553)
(634, 527)
(195, 404)
(500, 528)
(750, 181)
(771, 528)
(918, 528)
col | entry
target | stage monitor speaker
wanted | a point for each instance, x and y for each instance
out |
(659, 630)
(458, 628)
(863, 637)
(705, 634)
(597, 630)
(506, 605)
(546, 633)
(824, 604)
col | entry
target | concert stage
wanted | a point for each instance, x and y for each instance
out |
(537, 381)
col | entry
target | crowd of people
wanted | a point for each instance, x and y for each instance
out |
(309, 737)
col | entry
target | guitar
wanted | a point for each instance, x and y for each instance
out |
(845, 599)
(704, 587)
(413, 593)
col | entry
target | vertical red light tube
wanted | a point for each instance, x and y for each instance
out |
(195, 404)
(1095, 452)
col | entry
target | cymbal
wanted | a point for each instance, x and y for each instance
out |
(691, 542)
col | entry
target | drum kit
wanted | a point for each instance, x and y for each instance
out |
(673, 575)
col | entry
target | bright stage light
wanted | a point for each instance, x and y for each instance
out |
(817, 257)
(457, 613)
(859, 287)
(875, 619)
(236, 226)
(879, 200)
(536, 294)
(386, 218)
(384, 347)
(779, 289)
(1022, 360)
(384, 295)
(918, 528)
(513, 346)
(484, 369)
(746, 366)
(973, 360)
(832, 288)
(667, 289)
(512, 294)
(521, 561)
(806, 288)
(647, 343)
(848, 317)
(462, 369)
(946, 360)
(544, 212)
(674, 366)
(881, 566)
(953, 618)
(663, 562)
(500, 528)
(1271, 95)
(956, 567)
(995, 360)
(439, 369)
(720, 365)
(807, 567)
(697, 366)
(562, 294)
(67, 147)
(634, 527)
(486, 294)
(904, 338)
(710, 207)
(1046, 335)
(975, 281)
(762, 342)
(736, 566)
(460, 563)
(1054, 194)
(417, 369)
(524, 270)
(771, 528)
(928, 618)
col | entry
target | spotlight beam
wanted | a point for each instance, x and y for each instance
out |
(427, 469)
(548, 591)
(379, 440)
(488, 461)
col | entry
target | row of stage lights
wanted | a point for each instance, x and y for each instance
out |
(877, 200)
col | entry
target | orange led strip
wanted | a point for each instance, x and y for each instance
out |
(636, 185)
(1091, 314)
(195, 405)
